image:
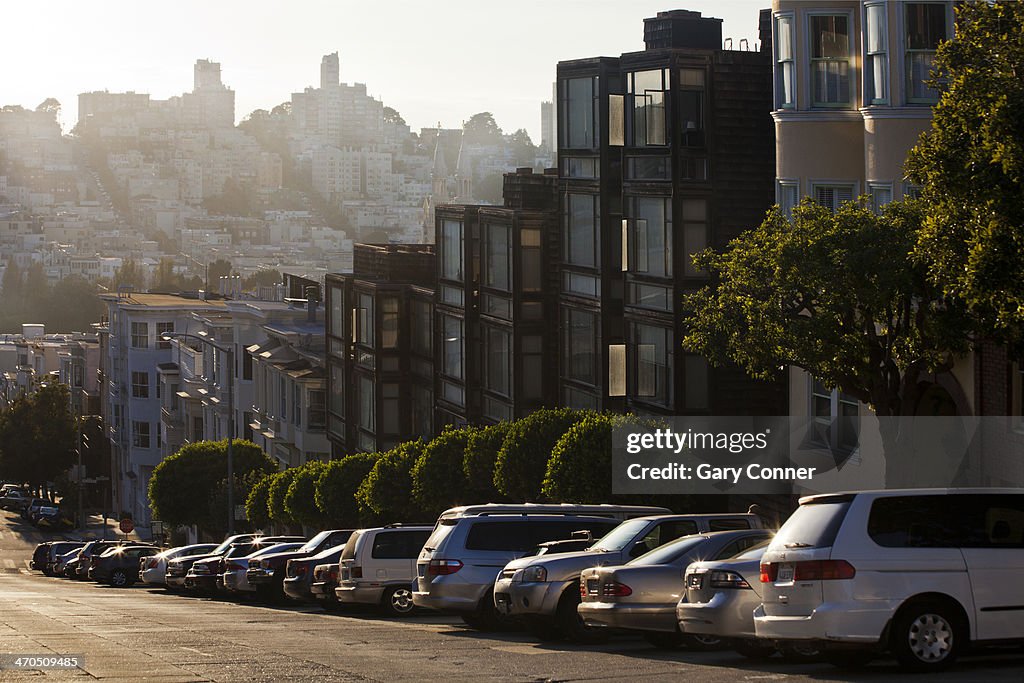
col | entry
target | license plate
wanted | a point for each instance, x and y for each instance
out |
(695, 580)
(785, 574)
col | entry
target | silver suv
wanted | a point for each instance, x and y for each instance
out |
(469, 545)
(545, 590)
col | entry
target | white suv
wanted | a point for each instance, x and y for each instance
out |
(921, 572)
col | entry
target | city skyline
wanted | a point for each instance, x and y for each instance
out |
(266, 54)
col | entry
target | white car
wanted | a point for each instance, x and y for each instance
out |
(152, 569)
(921, 573)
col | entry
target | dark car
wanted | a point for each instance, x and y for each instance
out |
(55, 550)
(88, 551)
(38, 560)
(119, 566)
(53, 517)
(32, 508)
(14, 499)
(267, 572)
(205, 574)
(298, 573)
(71, 566)
(178, 568)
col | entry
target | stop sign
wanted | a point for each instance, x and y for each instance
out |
(127, 525)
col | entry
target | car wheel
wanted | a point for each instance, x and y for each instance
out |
(702, 643)
(119, 578)
(664, 640)
(927, 636)
(571, 624)
(849, 659)
(397, 601)
(754, 649)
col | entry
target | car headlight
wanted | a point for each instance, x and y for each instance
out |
(535, 573)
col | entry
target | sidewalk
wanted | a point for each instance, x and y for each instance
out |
(94, 529)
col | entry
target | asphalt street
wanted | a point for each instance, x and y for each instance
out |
(140, 633)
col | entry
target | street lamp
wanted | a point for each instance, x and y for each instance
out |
(230, 353)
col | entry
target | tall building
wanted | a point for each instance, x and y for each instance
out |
(662, 153)
(330, 71)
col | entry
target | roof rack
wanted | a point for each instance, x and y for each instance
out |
(604, 509)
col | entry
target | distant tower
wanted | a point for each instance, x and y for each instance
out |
(547, 121)
(439, 172)
(463, 173)
(330, 70)
(206, 75)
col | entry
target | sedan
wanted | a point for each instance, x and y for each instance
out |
(298, 576)
(321, 588)
(642, 594)
(153, 569)
(120, 566)
(61, 564)
(55, 550)
(234, 579)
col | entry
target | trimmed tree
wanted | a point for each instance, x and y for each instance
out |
(438, 482)
(479, 460)
(37, 437)
(337, 485)
(386, 493)
(580, 467)
(256, 502)
(275, 497)
(523, 458)
(300, 500)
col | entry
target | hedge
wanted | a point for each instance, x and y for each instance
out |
(523, 458)
(336, 489)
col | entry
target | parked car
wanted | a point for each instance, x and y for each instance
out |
(205, 574)
(642, 594)
(572, 545)
(152, 569)
(234, 579)
(55, 550)
(14, 499)
(922, 573)
(178, 568)
(459, 562)
(322, 585)
(544, 591)
(38, 560)
(90, 549)
(53, 517)
(70, 569)
(298, 573)
(32, 507)
(267, 573)
(378, 565)
(119, 566)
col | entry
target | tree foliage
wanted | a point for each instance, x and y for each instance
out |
(970, 165)
(481, 129)
(182, 485)
(386, 492)
(438, 482)
(523, 458)
(479, 460)
(336, 489)
(300, 500)
(130, 274)
(256, 502)
(580, 467)
(837, 294)
(37, 437)
(279, 486)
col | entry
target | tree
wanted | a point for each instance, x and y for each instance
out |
(438, 482)
(386, 493)
(130, 274)
(580, 467)
(37, 436)
(37, 286)
(279, 486)
(12, 285)
(970, 166)
(523, 150)
(262, 278)
(837, 294)
(244, 484)
(256, 502)
(300, 500)
(49, 106)
(481, 129)
(72, 304)
(479, 460)
(216, 270)
(182, 485)
(523, 458)
(336, 488)
(165, 279)
(392, 116)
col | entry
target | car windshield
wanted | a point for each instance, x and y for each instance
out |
(670, 552)
(312, 543)
(754, 552)
(278, 548)
(621, 536)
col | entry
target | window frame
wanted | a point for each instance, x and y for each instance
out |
(851, 59)
(851, 185)
(905, 66)
(870, 85)
(780, 101)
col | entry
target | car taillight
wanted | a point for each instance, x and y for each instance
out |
(722, 579)
(616, 590)
(440, 567)
(811, 570)
(332, 573)
(769, 572)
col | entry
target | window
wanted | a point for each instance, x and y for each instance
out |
(580, 345)
(830, 60)
(788, 196)
(579, 167)
(581, 221)
(691, 110)
(646, 124)
(337, 390)
(876, 47)
(616, 369)
(140, 434)
(835, 418)
(389, 409)
(785, 76)
(531, 276)
(497, 360)
(362, 327)
(580, 113)
(950, 521)
(650, 250)
(140, 385)
(647, 168)
(422, 411)
(398, 545)
(497, 256)
(161, 330)
(337, 297)
(881, 194)
(140, 335)
(451, 250)
(652, 363)
(531, 360)
(422, 329)
(452, 356)
(296, 404)
(246, 365)
(695, 233)
(832, 196)
(389, 323)
(367, 416)
(925, 26)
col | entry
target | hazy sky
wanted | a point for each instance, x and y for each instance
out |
(432, 61)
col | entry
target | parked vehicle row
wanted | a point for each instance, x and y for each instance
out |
(920, 574)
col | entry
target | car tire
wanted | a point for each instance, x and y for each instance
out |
(569, 622)
(927, 636)
(397, 601)
(703, 643)
(485, 618)
(751, 648)
(119, 579)
(664, 640)
(848, 659)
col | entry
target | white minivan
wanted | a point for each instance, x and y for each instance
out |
(921, 573)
